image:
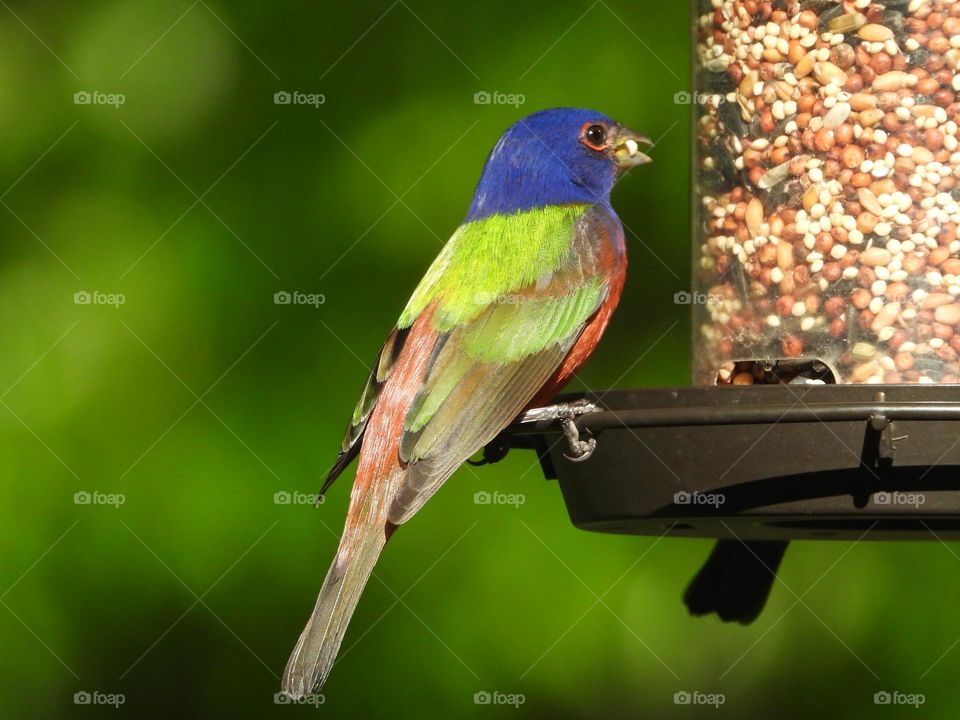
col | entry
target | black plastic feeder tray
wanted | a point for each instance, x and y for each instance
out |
(766, 462)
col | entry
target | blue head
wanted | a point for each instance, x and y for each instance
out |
(556, 157)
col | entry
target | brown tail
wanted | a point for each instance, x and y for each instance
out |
(363, 539)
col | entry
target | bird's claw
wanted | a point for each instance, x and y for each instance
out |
(580, 449)
(567, 414)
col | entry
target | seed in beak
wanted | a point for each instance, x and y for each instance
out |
(627, 154)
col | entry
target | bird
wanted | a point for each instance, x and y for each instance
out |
(510, 309)
(736, 580)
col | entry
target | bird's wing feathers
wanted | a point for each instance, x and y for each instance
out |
(499, 346)
(379, 375)
(509, 295)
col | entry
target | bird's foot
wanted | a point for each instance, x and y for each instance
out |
(580, 449)
(567, 414)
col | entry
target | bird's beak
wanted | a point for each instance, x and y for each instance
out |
(625, 148)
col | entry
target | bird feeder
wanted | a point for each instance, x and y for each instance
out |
(825, 300)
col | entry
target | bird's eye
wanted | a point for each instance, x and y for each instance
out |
(595, 137)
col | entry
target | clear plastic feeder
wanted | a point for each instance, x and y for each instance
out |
(825, 190)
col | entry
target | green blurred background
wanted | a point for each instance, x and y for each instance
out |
(199, 398)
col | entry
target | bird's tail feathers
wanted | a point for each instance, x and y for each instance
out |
(312, 659)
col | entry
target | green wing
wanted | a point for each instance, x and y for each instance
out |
(511, 294)
(487, 259)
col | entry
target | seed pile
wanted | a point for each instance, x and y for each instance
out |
(828, 163)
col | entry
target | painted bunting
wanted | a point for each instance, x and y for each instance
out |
(513, 305)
